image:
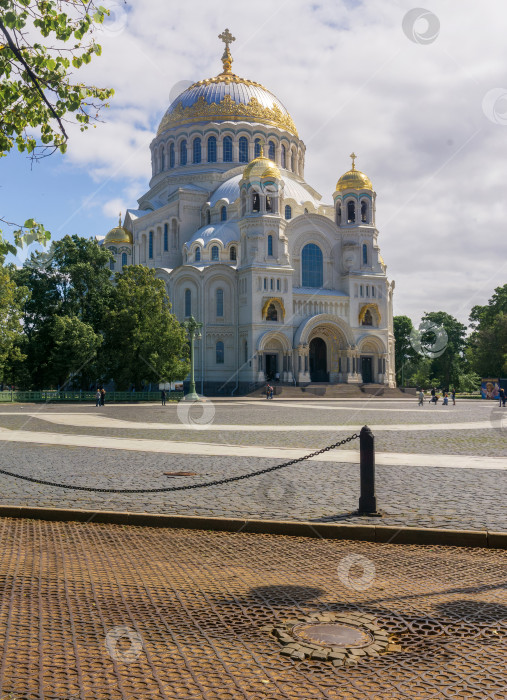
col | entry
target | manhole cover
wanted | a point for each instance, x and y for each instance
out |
(333, 635)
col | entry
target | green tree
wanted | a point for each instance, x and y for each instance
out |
(12, 300)
(74, 346)
(405, 355)
(37, 92)
(444, 341)
(487, 347)
(71, 280)
(143, 340)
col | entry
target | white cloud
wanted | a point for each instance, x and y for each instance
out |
(352, 80)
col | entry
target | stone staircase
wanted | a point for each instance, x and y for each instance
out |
(330, 391)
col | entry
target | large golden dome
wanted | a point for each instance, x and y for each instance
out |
(227, 97)
(354, 179)
(118, 235)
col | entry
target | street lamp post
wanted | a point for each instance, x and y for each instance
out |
(193, 328)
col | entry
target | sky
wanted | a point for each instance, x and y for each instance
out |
(419, 94)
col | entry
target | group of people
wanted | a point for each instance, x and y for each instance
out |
(434, 397)
(100, 397)
(269, 392)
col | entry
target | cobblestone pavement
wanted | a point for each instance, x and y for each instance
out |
(423, 496)
(101, 612)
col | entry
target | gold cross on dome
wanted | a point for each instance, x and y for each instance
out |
(227, 38)
(353, 156)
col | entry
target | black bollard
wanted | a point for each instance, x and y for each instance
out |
(367, 498)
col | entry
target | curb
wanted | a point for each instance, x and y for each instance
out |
(368, 533)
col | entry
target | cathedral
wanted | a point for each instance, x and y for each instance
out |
(285, 286)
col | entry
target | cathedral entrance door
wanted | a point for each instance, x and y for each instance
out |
(318, 361)
(367, 370)
(271, 366)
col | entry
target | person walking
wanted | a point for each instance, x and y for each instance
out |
(97, 398)
(102, 397)
(421, 398)
(453, 397)
(162, 396)
(271, 393)
(501, 397)
(446, 399)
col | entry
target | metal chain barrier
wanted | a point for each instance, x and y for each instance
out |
(217, 482)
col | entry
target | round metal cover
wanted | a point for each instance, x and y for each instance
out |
(333, 634)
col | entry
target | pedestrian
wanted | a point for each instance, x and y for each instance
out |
(453, 396)
(102, 397)
(421, 397)
(271, 393)
(97, 398)
(446, 399)
(501, 397)
(162, 396)
(267, 391)
(277, 376)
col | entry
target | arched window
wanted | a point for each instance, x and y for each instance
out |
(197, 150)
(272, 313)
(351, 212)
(256, 202)
(368, 318)
(220, 302)
(208, 217)
(219, 352)
(227, 149)
(212, 149)
(233, 253)
(257, 148)
(188, 302)
(272, 150)
(270, 245)
(223, 213)
(150, 245)
(183, 152)
(197, 255)
(215, 253)
(162, 158)
(293, 161)
(288, 212)
(111, 264)
(166, 237)
(245, 345)
(365, 254)
(284, 157)
(339, 215)
(123, 259)
(171, 156)
(312, 266)
(364, 211)
(243, 150)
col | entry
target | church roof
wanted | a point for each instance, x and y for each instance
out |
(229, 190)
(354, 179)
(225, 232)
(227, 97)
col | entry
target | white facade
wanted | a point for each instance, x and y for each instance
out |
(281, 282)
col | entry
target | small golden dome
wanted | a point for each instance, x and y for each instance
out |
(118, 234)
(261, 167)
(354, 179)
